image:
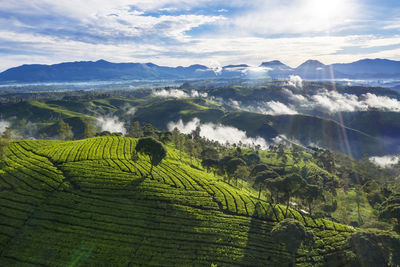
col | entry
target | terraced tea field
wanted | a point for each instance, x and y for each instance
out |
(85, 203)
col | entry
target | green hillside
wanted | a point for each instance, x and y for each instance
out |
(86, 203)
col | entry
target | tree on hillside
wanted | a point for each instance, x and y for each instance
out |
(135, 131)
(209, 153)
(152, 148)
(328, 161)
(252, 159)
(292, 234)
(179, 140)
(209, 163)
(258, 168)
(242, 172)
(232, 165)
(376, 248)
(392, 209)
(288, 185)
(65, 131)
(89, 130)
(190, 148)
(4, 141)
(149, 130)
(310, 193)
(263, 179)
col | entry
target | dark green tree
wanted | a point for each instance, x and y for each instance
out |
(149, 130)
(209, 163)
(135, 131)
(288, 185)
(262, 181)
(242, 172)
(152, 148)
(292, 234)
(258, 168)
(232, 165)
(89, 130)
(4, 141)
(65, 131)
(311, 193)
(376, 248)
(209, 153)
(392, 209)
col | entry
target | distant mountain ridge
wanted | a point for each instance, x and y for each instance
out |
(104, 70)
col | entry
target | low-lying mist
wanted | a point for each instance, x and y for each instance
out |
(385, 161)
(111, 124)
(3, 126)
(218, 132)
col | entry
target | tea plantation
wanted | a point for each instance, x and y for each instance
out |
(87, 203)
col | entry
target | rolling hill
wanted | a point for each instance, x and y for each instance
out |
(86, 203)
(102, 70)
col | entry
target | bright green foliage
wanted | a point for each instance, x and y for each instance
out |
(152, 148)
(86, 203)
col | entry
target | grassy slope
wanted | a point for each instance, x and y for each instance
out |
(85, 202)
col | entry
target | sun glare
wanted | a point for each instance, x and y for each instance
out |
(326, 11)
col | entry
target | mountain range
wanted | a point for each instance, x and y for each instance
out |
(104, 70)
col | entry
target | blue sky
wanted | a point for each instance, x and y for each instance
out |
(184, 32)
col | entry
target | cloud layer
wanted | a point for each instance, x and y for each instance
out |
(217, 132)
(111, 124)
(385, 161)
(3, 126)
(333, 102)
(176, 93)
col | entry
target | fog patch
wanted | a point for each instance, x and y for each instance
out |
(218, 132)
(111, 124)
(131, 111)
(381, 102)
(174, 93)
(295, 81)
(385, 161)
(195, 94)
(3, 126)
(333, 102)
(276, 108)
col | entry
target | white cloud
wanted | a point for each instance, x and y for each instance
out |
(385, 161)
(381, 102)
(332, 102)
(276, 108)
(3, 126)
(295, 81)
(175, 93)
(195, 93)
(305, 16)
(218, 132)
(111, 124)
(131, 111)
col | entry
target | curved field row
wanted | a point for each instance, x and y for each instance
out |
(86, 202)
